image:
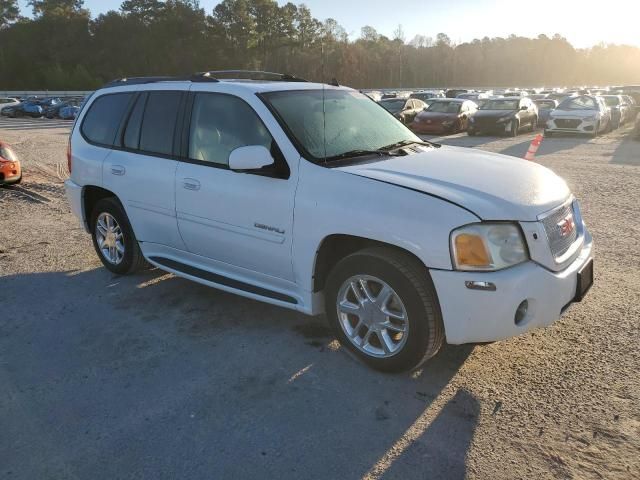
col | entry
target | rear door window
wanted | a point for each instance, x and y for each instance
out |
(132, 133)
(159, 122)
(102, 121)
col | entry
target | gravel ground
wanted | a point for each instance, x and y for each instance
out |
(152, 376)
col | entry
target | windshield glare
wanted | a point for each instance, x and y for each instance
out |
(7, 154)
(352, 121)
(579, 103)
(612, 101)
(501, 105)
(545, 105)
(393, 106)
(444, 107)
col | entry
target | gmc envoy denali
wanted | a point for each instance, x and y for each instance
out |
(313, 197)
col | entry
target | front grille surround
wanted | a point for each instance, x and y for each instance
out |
(567, 122)
(558, 243)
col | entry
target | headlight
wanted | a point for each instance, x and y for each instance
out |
(504, 119)
(472, 120)
(448, 123)
(487, 246)
(591, 119)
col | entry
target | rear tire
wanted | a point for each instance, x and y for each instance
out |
(131, 259)
(411, 288)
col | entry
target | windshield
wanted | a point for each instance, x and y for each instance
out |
(393, 106)
(546, 105)
(579, 103)
(501, 105)
(351, 121)
(7, 154)
(444, 107)
(612, 101)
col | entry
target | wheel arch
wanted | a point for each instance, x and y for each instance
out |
(335, 247)
(91, 195)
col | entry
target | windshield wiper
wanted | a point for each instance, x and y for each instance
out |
(404, 143)
(356, 153)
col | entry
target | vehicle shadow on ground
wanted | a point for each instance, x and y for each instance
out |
(158, 375)
(628, 152)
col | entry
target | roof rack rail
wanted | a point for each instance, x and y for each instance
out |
(210, 76)
(144, 80)
(250, 75)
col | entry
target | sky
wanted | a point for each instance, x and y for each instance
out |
(583, 22)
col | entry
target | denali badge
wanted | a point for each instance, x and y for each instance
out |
(268, 228)
(566, 225)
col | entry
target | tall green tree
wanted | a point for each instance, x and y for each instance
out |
(9, 12)
(58, 8)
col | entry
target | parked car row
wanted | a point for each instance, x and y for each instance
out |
(49, 107)
(510, 112)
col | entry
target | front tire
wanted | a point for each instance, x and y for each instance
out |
(113, 238)
(515, 128)
(383, 307)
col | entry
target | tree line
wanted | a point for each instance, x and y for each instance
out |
(62, 47)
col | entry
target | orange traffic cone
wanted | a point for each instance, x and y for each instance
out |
(533, 148)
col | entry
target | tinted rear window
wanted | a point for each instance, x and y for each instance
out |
(132, 133)
(103, 119)
(158, 124)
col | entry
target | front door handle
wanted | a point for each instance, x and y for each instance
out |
(117, 170)
(191, 184)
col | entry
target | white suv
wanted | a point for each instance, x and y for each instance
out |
(314, 198)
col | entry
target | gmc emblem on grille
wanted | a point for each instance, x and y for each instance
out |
(566, 225)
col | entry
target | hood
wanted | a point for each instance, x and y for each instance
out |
(493, 113)
(493, 186)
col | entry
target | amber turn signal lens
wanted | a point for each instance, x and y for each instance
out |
(471, 251)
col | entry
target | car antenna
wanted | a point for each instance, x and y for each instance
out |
(324, 112)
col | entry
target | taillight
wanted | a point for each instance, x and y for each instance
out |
(69, 156)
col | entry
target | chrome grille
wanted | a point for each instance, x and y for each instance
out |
(560, 241)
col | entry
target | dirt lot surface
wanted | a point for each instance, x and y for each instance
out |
(152, 376)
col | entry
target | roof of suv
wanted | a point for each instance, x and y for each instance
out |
(253, 81)
(256, 86)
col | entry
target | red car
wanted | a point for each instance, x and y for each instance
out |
(444, 115)
(10, 171)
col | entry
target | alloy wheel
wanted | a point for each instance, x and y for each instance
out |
(372, 316)
(110, 238)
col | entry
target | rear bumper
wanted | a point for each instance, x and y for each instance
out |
(473, 316)
(74, 197)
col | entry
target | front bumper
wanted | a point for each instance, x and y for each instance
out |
(74, 197)
(581, 126)
(10, 172)
(423, 128)
(489, 127)
(474, 316)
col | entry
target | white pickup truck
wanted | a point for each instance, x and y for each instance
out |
(313, 197)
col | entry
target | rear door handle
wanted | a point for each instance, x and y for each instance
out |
(191, 184)
(117, 170)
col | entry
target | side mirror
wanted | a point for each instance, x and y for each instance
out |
(252, 157)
